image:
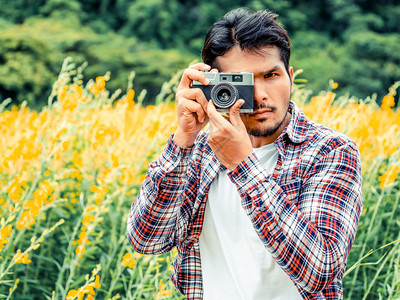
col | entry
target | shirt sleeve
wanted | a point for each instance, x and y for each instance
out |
(151, 225)
(311, 238)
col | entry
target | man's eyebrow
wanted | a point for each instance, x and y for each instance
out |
(273, 69)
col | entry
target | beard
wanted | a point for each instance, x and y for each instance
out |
(266, 131)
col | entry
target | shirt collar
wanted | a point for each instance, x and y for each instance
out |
(298, 125)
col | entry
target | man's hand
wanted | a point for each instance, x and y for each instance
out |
(228, 137)
(192, 106)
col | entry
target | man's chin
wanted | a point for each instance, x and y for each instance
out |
(263, 131)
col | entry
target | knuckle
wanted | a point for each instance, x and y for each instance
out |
(198, 66)
(179, 94)
(181, 104)
(198, 93)
(193, 66)
(224, 132)
(186, 73)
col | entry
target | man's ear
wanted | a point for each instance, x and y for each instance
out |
(291, 76)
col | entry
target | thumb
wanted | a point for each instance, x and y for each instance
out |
(234, 115)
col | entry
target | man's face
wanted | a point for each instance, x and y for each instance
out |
(272, 90)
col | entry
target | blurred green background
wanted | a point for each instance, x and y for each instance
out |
(353, 42)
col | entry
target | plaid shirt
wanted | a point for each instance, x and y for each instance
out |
(306, 213)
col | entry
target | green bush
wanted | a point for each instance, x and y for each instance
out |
(31, 54)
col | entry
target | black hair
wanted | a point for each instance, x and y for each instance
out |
(250, 30)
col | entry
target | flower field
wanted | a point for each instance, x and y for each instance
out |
(69, 173)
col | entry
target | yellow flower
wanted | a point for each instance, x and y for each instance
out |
(13, 288)
(71, 294)
(42, 196)
(163, 291)
(128, 261)
(87, 220)
(99, 85)
(81, 242)
(334, 85)
(128, 176)
(389, 176)
(21, 258)
(83, 238)
(94, 188)
(97, 284)
(79, 250)
(76, 174)
(70, 96)
(89, 290)
(43, 193)
(15, 190)
(129, 98)
(75, 294)
(90, 209)
(5, 232)
(77, 161)
(387, 102)
(27, 220)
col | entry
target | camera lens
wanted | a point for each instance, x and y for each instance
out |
(224, 95)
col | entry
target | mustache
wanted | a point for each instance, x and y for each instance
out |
(263, 105)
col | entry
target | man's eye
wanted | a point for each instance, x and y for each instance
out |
(270, 75)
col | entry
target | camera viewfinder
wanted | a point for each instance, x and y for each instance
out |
(225, 78)
(237, 78)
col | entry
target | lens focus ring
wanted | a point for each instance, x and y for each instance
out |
(224, 95)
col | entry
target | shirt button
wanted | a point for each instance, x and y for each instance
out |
(243, 179)
(174, 158)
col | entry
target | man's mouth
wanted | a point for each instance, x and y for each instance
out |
(262, 111)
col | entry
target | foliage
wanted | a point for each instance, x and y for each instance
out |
(347, 41)
(373, 261)
(31, 54)
(69, 173)
(70, 169)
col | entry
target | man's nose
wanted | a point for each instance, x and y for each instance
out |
(260, 93)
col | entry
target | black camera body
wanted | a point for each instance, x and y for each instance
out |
(225, 88)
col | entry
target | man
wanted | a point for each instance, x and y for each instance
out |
(263, 205)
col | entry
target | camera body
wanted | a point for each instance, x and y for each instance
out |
(225, 88)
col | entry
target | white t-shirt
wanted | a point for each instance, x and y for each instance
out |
(235, 263)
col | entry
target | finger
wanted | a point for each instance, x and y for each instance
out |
(216, 119)
(234, 114)
(196, 95)
(194, 72)
(200, 66)
(191, 107)
(214, 70)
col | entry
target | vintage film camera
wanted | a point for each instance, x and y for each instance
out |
(225, 88)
